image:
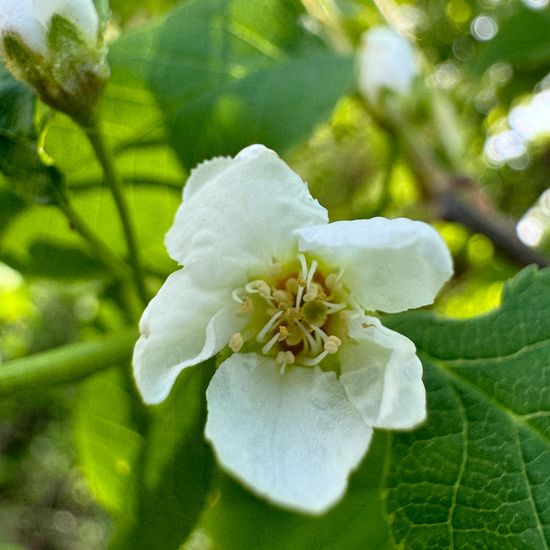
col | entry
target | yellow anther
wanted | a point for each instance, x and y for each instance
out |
(259, 286)
(312, 292)
(285, 358)
(291, 285)
(332, 344)
(283, 333)
(282, 296)
(236, 342)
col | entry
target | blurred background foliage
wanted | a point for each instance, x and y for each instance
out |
(174, 99)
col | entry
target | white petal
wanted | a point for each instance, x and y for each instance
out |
(389, 265)
(18, 16)
(382, 375)
(191, 319)
(292, 438)
(245, 209)
(386, 60)
(80, 12)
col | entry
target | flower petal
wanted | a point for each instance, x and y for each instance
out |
(18, 16)
(389, 265)
(382, 375)
(188, 321)
(292, 438)
(81, 12)
(244, 208)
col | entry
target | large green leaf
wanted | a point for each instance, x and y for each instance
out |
(240, 521)
(477, 475)
(522, 40)
(149, 468)
(228, 73)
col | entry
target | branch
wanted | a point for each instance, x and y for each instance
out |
(65, 364)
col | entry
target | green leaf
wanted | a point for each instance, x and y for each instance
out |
(177, 466)
(241, 521)
(150, 468)
(108, 443)
(228, 73)
(477, 474)
(522, 40)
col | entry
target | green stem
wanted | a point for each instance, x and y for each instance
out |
(93, 132)
(65, 364)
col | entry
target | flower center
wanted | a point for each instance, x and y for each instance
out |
(295, 318)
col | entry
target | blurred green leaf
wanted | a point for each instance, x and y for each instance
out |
(151, 469)
(240, 521)
(107, 442)
(228, 73)
(177, 466)
(476, 475)
(522, 39)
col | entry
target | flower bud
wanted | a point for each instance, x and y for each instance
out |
(387, 61)
(55, 46)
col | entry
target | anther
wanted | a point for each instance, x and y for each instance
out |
(285, 358)
(283, 333)
(333, 282)
(236, 342)
(312, 293)
(260, 287)
(282, 296)
(332, 344)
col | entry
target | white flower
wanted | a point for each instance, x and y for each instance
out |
(30, 19)
(291, 411)
(387, 61)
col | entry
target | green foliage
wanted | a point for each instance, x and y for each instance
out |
(19, 157)
(229, 73)
(241, 521)
(477, 474)
(522, 39)
(154, 484)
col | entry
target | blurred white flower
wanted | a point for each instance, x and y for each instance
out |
(291, 411)
(387, 61)
(31, 19)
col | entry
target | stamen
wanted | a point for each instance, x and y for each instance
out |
(312, 293)
(311, 272)
(311, 362)
(303, 264)
(285, 358)
(270, 344)
(260, 287)
(332, 344)
(267, 327)
(300, 293)
(282, 296)
(283, 333)
(236, 342)
(236, 297)
(333, 308)
(309, 339)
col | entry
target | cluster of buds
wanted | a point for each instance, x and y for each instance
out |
(56, 47)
